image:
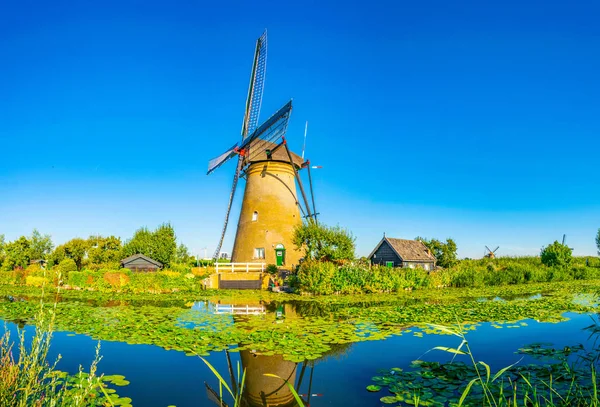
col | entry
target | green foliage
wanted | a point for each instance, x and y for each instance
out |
(324, 243)
(159, 245)
(2, 250)
(75, 249)
(17, 254)
(182, 254)
(598, 241)
(445, 253)
(40, 245)
(67, 266)
(104, 250)
(328, 278)
(33, 380)
(556, 254)
(272, 269)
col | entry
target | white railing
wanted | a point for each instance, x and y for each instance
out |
(221, 267)
(242, 309)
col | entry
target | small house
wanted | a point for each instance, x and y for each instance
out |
(139, 262)
(41, 262)
(402, 253)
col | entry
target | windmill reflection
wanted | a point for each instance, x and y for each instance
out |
(260, 390)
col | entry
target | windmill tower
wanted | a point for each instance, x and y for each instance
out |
(270, 207)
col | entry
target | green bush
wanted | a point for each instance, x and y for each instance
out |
(272, 269)
(556, 254)
(67, 266)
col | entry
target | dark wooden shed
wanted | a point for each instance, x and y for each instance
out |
(139, 262)
(402, 253)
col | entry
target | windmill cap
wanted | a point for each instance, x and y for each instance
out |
(261, 150)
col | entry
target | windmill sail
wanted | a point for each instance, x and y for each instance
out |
(221, 159)
(255, 90)
(253, 104)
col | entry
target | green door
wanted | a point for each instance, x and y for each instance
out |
(280, 255)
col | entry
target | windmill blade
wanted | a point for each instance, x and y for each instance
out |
(496, 249)
(255, 90)
(270, 131)
(221, 159)
(236, 177)
(488, 249)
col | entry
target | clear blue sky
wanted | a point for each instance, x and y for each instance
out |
(472, 120)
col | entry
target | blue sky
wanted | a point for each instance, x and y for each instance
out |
(472, 120)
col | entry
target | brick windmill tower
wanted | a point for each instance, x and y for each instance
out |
(271, 208)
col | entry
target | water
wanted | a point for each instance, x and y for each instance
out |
(161, 377)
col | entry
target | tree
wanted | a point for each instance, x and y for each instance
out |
(75, 249)
(2, 251)
(104, 249)
(159, 245)
(444, 253)
(597, 242)
(41, 245)
(17, 254)
(183, 254)
(556, 254)
(324, 243)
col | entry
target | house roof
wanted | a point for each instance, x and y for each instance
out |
(141, 256)
(407, 250)
(257, 152)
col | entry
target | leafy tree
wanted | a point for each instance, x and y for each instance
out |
(597, 242)
(2, 251)
(321, 242)
(183, 254)
(159, 245)
(75, 249)
(556, 254)
(41, 245)
(17, 254)
(444, 253)
(104, 249)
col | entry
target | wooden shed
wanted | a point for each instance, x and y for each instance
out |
(402, 253)
(139, 262)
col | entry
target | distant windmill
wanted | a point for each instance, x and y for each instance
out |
(491, 254)
(564, 241)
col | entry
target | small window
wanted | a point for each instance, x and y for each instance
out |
(259, 253)
(255, 216)
(426, 266)
(389, 264)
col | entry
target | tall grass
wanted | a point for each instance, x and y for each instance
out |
(506, 388)
(31, 380)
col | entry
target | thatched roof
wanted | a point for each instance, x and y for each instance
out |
(257, 152)
(407, 250)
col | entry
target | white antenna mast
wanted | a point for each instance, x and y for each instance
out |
(304, 146)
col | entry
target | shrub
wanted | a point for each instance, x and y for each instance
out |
(66, 266)
(556, 254)
(316, 277)
(272, 269)
(36, 281)
(116, 279)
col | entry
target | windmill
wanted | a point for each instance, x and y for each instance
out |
(564, 241)
(270, 207)
(490, 254)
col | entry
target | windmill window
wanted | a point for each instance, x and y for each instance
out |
(259, 253)
(255, 216)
